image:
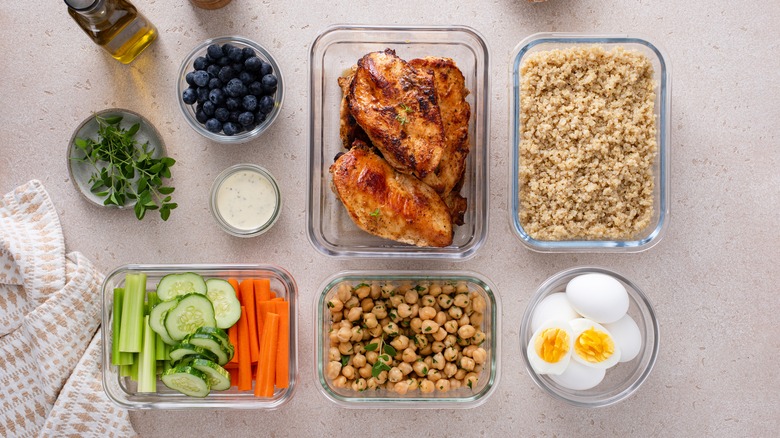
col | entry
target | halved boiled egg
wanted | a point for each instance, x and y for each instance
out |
(549, 350)
(593, 346)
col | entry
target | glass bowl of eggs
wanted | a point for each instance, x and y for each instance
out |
(589, 336)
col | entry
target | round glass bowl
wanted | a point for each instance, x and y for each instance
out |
(189, 110)
(81, 172)
(245, 200)
(623, 379)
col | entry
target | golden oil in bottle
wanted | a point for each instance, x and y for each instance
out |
(115, 25)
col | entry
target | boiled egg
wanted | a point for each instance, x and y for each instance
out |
(549, 350)
(598, 297)
(594, 345)
(554, 307)
(627, 336)
(579, 377)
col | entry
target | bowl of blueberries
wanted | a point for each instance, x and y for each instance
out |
(230, 89)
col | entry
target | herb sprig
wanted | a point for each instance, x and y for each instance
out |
(125, 169)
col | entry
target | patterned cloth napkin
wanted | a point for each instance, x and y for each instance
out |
(50, 374)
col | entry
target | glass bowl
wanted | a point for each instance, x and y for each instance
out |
(81, 172)
(189, 110)
(224, 212)
(329, 227)
(620, 381)
(122, 390)
(463, 397)
(659, 221)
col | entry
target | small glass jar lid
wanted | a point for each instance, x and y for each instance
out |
(245, 200)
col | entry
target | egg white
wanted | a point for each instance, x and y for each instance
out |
(556, 307)
(580, 325)
(540, 365)
(579, 377)
(626, 334)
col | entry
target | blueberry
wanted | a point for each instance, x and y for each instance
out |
(259, 117)
(214, 51)
(265, 68)
(238, 66)
(223, 61)
(202, 94)
(249, 102)
(226, 73)
(266, 104)
(190, 78)
(200, 63)
(213, 125)
(226, 48)
(246, 118)
(233, 103)
(253, 64)
(209, 108)
(231, 128)
(234, 116)
(201, 116)
(217, 96)
(222, 114)
(215, 83)
(235, 54)
(248, 52)
(189, 96)
(269, 82)
(256, 88)
(246, 77)
(201, 78)
(235, 88)
(213, 70)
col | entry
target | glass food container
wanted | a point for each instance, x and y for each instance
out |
(659, 221)
(336, 49)
(462, 397)
(122, 390)
(245, 200)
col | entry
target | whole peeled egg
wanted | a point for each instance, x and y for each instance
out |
(579, 377)
(627, 336)
(598, 297)
(553, 307)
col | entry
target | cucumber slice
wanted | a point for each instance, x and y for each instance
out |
(175, 285)
(227, 309)
(191, 312)
(212, 344)
(219, 378)
(157, 320)
(219, 333)
(187, 380)
(182, 351)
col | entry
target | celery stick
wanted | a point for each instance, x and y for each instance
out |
(119, 294)
(159, 348)
(124, 370)
(147, 369)
(134, 368)
(131, 327)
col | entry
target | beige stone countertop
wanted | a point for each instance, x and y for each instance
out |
(713, 278)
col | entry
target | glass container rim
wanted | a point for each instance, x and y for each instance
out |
(238, 232)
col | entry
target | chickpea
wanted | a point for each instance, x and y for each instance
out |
(369, 319)
(404, 310)
(365, 371)
(464, 320)
(401, 388)
(426, 386)
(363, 291)
(467, 363)
(438, 361)
(469, 351)
(440, 318)
(478, 338)
(471, 380)
(357, 334)
(403, 287)
(344, 334)
(444, 301)
(428, 360)
(396, 301)
(421, 341)
(371, 383)
(360, 385)
(345, 348)
(376, 291)
(419, 368)
(427, 300)
(400, 343)
(335, 305)
(334, 338)
(478, 303)
(450, 354)
(391, 329)
(386, 290)
(333, 370)
(336, 317)
(463, 342)
(455, 384)
(450, 341)
(455, 312)
(413, 383)
(478, 369)
(461, 374)
(375, 331)
(479, 356)
(434, 375)
(340, 382)
(440, 334)
(390, 386)
(451, 326)
(411, 296)
(427, 350)
(427, 313)
(366, 304)
(409, 355)
(333, 354)
(395, 374)
(434, 290)
(405, 368)
(477, 318)
(349, 372)
(372, 357)
(437, 346)
(450, 369)
(443, 385)
(352, 302)
(430, 327)
(381, 377)
(344, 292)
(415, 308)
(466, 331)
(379, 310)
(359, 360)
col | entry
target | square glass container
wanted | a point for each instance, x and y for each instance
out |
(652, 234)
(372, 399)
(122, 391)
(329, 227)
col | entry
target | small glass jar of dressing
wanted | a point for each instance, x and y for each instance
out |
(245, 200)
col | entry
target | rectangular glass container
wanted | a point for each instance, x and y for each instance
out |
(121, 390)
(329, 227)
(662, 110)
(372, 399)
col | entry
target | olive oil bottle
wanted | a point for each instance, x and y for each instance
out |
(115, 25)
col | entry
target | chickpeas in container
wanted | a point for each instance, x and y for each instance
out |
(400, 339)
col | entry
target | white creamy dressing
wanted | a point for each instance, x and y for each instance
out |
(246, 200)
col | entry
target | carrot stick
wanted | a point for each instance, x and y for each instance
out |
(266, 367)
(260, 318)
(273, 295)
(248, 298)
(233, 377)
(262, 289)
(276, 300)
(233, 330)
(263, 307)
(282, 309)
(244, 357)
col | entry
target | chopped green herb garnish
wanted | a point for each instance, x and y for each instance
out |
(401, 119)
(425, 370)
(390, 350)
(427, 329)
(375, 213)
(331, 305)
(344, 360)
(362, 284)
(405, 108)
(378, 367)
(419, 288)
(469, 384)
(371, 347)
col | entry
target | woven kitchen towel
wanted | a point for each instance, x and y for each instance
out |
(50, 378)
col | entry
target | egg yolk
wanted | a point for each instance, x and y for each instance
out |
(552, 344)
(594, 346)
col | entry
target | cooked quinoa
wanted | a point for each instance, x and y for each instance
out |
(587, 144)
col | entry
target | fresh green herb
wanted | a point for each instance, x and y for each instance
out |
(435, 361)
(419, 359)
(425, 370)
(393, 315)
(331, 305)
(392, 293)
(416, 342)
(390, 350)
(469, 384)
(419, 288)
(405, 324)
(371, 347)
(344, 360)
(361, 284)
(384, 358)
(427, 329)
(124, 170)
(378, 367)
(406, 108)
(401, 119)
(375, 213)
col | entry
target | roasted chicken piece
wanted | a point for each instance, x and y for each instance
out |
(387, 203)
(397, 108)
(349, 130)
